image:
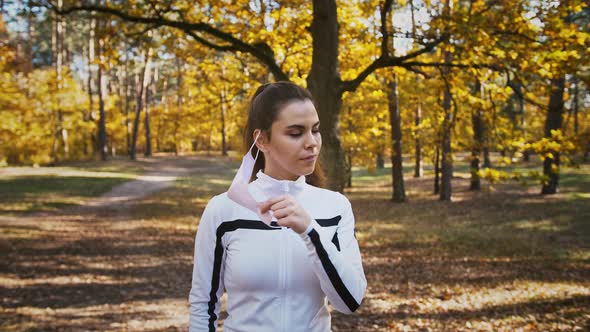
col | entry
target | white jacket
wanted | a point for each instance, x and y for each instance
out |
(276, 279)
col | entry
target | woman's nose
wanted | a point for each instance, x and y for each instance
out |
(310, 140)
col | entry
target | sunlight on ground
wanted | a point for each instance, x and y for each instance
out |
(77, 279)
(581, 255)
(128, 316)
(222, 182)
(541, 225)
(460, 299)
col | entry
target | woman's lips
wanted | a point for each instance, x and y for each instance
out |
(310, 158)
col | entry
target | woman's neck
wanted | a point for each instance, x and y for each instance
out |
(278, 174)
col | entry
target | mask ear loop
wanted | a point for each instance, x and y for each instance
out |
(253, 144)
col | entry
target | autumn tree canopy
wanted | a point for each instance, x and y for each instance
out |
(97, 78)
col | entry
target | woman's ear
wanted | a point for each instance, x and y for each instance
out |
(262, 141)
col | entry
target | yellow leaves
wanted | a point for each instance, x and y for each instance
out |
(499, 53)
(378, 94)
(581, 39)
(548, 147)
(29, 107)
(556, 134)
(513, 54)
(376, 131)
(493, 176)
(545, 70)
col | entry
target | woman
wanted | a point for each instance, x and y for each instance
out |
(278, 276)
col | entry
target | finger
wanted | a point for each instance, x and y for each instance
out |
(285, 222)
(282, 213)
(281, 205)
(265, 206)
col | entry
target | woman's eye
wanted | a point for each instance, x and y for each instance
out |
(297, 134)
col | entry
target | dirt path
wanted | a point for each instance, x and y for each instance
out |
(161, 174)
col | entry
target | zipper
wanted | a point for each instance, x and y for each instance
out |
(284, 252)
(286, 273)
(282, 282)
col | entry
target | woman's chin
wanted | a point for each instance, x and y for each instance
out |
(308, 170)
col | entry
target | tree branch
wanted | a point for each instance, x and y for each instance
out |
(260, 51)
(384, 31)
(392, 61)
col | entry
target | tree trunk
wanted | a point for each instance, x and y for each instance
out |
(323, 83)
(436, 170)
(146, 117)
(399, 193)
(477, 124)
(127, 106)
(89, 116)
(553, 121)
(446, 157)
(148, 97)
(61, 132)
(209, 142)
(446, 153)
(487, 162)
(418, 170)
(518, 95)
(179, 82)
(348, 156)
(165, 101)
(122, 91)
(102, 129)
(348, 160)
(141, 87)
(576, 105)
(222, 110)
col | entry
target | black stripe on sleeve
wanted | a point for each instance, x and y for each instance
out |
(322, 222)
(329, 222)
(332, 273)
(335, 241)
(228, 226)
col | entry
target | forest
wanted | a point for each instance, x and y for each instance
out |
(420, 102)
(85, 80)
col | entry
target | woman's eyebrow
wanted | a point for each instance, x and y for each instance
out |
(299, 126)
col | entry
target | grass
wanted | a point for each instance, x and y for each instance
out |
(511, 221)
(52, 189)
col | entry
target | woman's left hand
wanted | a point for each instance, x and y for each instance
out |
(288, 212)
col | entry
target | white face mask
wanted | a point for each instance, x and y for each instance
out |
(238, 190)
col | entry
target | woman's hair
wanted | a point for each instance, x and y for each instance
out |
(264, 108)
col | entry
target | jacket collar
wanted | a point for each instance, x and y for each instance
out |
(273, 187)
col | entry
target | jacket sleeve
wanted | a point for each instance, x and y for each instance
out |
(207, 283)
(341, 272)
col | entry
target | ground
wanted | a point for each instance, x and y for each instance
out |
(108, 247)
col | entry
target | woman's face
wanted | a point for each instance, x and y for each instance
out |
(295, 142)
